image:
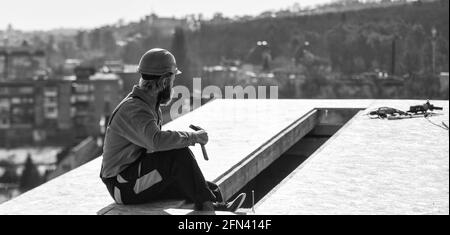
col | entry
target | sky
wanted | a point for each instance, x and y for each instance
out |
(51, 14)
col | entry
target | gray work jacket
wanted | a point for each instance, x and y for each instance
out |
(135, 128)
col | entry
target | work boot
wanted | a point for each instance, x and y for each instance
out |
(215, 189)
(232, 206)
(207, 206)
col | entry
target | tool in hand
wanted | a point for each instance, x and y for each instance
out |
(197, 128)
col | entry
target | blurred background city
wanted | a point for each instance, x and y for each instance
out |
(59, 83)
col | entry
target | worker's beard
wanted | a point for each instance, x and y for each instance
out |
(165, 96)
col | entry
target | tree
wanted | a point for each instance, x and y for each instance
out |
(132, 52)
(80, 39)
(109, 42)
(95, 39)
(9, 176)
(30, 175)
(179, 50)
(67, 48)
(155, 38)
(413, 54)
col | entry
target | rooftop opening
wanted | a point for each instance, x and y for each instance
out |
(330, 121)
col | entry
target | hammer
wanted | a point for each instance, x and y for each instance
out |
(197, 128)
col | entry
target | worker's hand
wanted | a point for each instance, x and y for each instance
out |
(201, 137)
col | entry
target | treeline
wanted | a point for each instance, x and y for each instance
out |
(352, 42)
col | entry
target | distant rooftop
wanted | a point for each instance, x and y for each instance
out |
(95, 77)
(21, 50)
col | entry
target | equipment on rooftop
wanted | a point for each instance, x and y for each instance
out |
(415, 111)
(423, 108)
(386, 112)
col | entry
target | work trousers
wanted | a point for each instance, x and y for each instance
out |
(172, 174)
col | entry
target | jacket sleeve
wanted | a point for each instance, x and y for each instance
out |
(140, 127)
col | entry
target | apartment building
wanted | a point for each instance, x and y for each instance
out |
(54, 111)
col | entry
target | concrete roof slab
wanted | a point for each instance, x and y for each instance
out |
(372, 166)
(237, 128)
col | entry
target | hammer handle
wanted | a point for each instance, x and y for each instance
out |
(205, 155)
(197, 128)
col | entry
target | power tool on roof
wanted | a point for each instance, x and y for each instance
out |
(414, 111)
(386, 112)
(423, 108)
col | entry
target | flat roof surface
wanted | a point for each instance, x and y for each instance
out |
(237, 128)
(372, 166)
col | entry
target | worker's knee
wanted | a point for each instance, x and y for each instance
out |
(185, 153)
(184, 158)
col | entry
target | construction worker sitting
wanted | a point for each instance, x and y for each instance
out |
(142, 163)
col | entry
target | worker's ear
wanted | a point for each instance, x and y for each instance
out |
(168, 80)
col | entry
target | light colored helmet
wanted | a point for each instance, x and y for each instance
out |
(158, 61)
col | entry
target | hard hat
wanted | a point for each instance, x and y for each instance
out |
(158, 61)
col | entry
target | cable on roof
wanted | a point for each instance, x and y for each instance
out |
(443, 126)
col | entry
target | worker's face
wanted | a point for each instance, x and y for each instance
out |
(166, 93)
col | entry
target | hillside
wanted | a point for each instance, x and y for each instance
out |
(351, 41)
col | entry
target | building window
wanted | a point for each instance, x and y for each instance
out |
(107, 88)
(15, 100)
(83, 98)
(50, 91)
(107, 98)
(4, 105)
(73, 111)
(81, 88)
(25, 90)
(22, 116)
(4, 121)
(51, 112)
(50, 99)
(3, 90)
(27, 100)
